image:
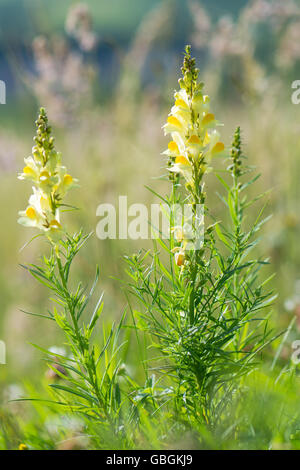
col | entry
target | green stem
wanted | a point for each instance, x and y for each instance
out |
(92, 377)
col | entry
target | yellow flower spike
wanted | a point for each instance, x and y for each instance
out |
(193, 129)
(51, 183)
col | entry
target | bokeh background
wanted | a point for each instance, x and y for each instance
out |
(106, 71)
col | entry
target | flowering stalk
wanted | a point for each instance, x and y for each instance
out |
(203, 316)
(50, 181)
(78, 374)
(195, 139)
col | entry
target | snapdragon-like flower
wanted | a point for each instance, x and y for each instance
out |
(182, 238)
(50, 181)
(192, 126)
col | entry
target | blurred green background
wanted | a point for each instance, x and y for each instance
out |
(106, 71)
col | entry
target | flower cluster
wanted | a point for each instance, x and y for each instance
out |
(192, 127)
(195, 140)
(51, 182)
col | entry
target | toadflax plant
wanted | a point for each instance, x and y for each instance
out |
(205, 308)
(87, 374)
